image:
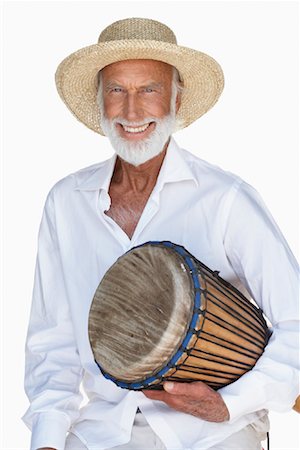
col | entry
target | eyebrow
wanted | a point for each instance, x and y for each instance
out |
(112, 84)
(153, 85)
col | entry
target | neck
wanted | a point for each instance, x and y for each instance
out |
(139, 178)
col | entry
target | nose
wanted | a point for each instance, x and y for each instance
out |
(132, 108)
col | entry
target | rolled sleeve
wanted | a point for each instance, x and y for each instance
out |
(264, 263)
(53, 369)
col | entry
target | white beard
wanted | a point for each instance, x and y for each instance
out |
(139, 152)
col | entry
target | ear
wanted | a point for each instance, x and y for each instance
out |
(178, 101)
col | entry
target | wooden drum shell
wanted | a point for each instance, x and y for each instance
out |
(230, 336)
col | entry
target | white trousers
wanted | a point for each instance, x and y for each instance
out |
(143, 438)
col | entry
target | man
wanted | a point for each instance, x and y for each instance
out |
(137, 86)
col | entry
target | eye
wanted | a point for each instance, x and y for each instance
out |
(117, 89)
(149, 89)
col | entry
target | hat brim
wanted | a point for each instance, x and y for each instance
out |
(77, 77)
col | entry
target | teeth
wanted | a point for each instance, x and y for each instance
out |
(136, 129)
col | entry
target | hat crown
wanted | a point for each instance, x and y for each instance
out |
(137, 28)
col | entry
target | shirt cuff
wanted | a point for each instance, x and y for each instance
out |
(50, 430)
(246, 395)
(254, 392)
(236, 406)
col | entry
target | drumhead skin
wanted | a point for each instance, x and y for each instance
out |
(141, 313)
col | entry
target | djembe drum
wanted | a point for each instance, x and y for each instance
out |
(160, 314)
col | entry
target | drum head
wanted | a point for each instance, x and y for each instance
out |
(140, 312)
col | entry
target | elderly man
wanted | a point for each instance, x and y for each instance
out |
(137, 86)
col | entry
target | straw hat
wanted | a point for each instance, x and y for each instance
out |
(135, 38)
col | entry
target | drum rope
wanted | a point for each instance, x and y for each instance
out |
(204, 370)
(231, 292)
(233, 345)
(220, 359)
(234, 313)
(248, 307)
(241, 333)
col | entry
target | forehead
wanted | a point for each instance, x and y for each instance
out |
(138, 68)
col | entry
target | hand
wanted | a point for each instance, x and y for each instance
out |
(194, 398)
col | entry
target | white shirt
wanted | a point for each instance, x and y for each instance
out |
(218, 218)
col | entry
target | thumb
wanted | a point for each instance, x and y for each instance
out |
(175, 388)
(195, 388)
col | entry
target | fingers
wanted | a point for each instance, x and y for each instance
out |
(156, 395)
(195, 398)
(171, 400)
(195, 389)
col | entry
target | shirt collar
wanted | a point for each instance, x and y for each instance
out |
(174, 168)
(98, 178)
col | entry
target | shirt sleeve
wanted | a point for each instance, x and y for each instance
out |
(263, 262)
(53, 370)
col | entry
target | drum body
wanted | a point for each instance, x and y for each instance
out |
(160, 314)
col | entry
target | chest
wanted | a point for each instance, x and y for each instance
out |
(126, 209)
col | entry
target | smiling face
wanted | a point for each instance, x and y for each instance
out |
(138, 103)
(136, 90)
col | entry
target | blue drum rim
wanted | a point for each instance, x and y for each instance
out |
(197, 310)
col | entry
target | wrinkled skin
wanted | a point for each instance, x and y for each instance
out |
(195, 398)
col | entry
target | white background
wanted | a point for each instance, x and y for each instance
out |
(252, 131)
